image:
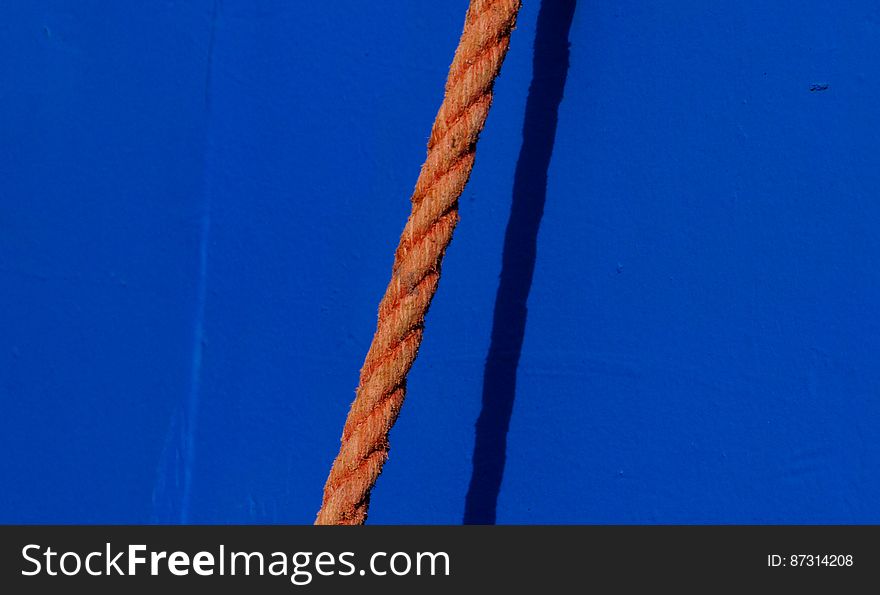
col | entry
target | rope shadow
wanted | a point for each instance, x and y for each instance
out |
(549, 71)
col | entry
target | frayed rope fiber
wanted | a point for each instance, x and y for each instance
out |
(416, 269)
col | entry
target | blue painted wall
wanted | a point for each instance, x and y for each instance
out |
(673, 277)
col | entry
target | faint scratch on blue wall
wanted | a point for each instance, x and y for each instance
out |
(190, 419)
(169, 475)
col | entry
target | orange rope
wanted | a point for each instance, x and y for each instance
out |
(416, 269)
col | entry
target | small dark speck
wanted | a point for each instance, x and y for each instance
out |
(619, 268)
(818, 87)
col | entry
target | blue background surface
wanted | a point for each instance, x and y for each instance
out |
(199, 202)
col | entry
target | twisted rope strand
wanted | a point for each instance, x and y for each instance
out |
(416, 270)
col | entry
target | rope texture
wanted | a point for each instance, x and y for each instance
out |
(416, 270)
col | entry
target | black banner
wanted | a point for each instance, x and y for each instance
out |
(290, 559)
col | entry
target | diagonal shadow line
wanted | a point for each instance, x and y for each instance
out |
(549, 71)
